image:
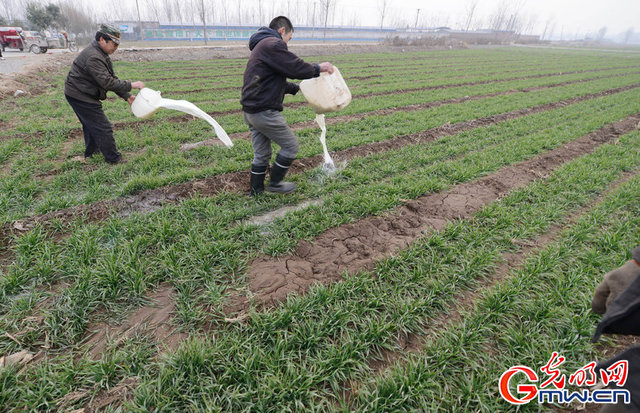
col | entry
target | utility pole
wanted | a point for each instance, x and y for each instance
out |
(417, 14)
(140, 21)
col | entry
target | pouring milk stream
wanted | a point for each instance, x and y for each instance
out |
(326, 93)
(149, 101)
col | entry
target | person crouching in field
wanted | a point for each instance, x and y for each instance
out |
(265, 84)
(88, 81)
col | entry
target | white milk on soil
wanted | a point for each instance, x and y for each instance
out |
(329, 166)
(190, 108)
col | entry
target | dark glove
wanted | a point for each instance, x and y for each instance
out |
(613, 284)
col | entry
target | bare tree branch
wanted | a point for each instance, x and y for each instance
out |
(470, 11)
(326, 8)
(382, 9)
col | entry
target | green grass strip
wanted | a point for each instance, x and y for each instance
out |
(23, 193)
(543, 307)
(172, 245)
(301, 354)
(298, 356)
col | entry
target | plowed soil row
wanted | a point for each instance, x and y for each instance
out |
(361, 245)
(185, 73)
(154, 199)
(385, 112)
(293, 105)
(357, 246)
(406, 70)
(153, 320)
(347, 79)
(465, 301)
(330, 121)
(77, 134)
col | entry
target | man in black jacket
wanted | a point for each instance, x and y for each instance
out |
(265, 84)
(618, 298)
(88, 81)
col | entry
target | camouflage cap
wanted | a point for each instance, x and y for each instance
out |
(110, 31)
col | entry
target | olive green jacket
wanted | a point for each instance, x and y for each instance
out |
(91, 76)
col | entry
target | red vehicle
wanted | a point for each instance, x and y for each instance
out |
(35, 42)
(10, 38)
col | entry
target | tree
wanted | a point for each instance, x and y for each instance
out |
(167, 9)
(382, 8)
(531, 24)
(77, 19)
(498, 18)
(548, 28)
(225, 15)
(178, 5)
(471, 9)
(54, 11)
(38, 16)
(326, 7)
(507, 16)
(155, 9)
(10, 10)
(628, 35)
(202, 12)
(118, 10)
(601, 33)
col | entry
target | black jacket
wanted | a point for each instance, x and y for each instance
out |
(91, 76)
(632, 355)
(269, 66)
(623, 315)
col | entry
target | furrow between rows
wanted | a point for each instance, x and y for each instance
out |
(150, 200)
(465, 301)
(357, 246)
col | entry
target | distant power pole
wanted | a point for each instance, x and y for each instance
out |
(139, 21)
(417, 14)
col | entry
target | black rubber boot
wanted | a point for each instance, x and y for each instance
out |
(278, 171)
(257, 179)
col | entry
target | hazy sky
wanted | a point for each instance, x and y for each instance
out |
(568, 17)
(582, 16)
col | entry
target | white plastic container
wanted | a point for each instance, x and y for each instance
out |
(146, 103)
(149, 101)
(326, 93)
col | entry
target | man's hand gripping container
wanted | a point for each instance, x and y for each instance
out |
(146, 103)
(326, 93)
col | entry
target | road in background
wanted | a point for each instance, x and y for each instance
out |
(15, 60)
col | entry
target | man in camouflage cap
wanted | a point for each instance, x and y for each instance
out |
(88, 81)
(112, 32)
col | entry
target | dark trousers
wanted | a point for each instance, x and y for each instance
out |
(98, 131)
(266, 127)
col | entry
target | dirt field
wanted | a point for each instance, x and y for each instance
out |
(19, 71)
(480, 196)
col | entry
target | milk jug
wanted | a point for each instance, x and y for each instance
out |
(327, 92)
(149, 101)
